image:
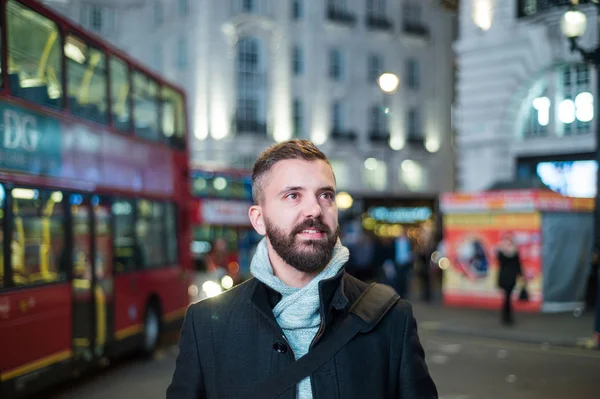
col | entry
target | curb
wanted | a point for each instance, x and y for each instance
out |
(515, 336)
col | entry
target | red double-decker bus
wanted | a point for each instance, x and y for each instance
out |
(94, 201)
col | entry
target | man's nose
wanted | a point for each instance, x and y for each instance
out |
(312, 208)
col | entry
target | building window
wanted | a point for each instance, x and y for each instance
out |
(247, 5)
(297, 10)
(184, 8)
(336, 67)
(414, 124)
(250, 86)
(573, 80)
(413, 80)
(378, 121)
(338, 6)
(297, 117)
(375, 174)
(297, 61)
(375, 67)
(376, 8)
(337, 117)
(95, 17)
(158, 13)
(412, 174)
(563, 108)
(412, 12)
(341, 171)
(182, 53)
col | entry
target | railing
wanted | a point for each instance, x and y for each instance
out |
(348, 135)
(343, 17)
(378, 136)
(376, 22)
(415, 140)
(415, 28)
(248, 126)
(528, 8)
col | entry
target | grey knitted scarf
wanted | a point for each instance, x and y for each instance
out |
(298, 311)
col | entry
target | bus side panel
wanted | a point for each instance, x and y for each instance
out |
(128, 312)
(170, 284)
(35, 330)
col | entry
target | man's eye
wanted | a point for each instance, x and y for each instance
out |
(292, 196)
(327, 195)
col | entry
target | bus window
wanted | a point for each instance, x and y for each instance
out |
(171, 233)
(151, 232)
(38, 242)
(34, 56)
(2, 198)
(173, 117)
(121, 94)
(145, 109)
(124, 236)
(86, 77)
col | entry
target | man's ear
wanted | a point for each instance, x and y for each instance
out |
(257, 219)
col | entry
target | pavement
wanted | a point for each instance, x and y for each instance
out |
(572, 329)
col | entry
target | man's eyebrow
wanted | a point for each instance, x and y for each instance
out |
(327, 188)
(291, 188)
(299, 188)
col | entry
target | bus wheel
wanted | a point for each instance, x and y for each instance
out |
(151, 329)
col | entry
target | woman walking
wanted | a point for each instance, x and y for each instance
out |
(510, 268)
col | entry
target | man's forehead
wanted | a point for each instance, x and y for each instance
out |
(301, 173)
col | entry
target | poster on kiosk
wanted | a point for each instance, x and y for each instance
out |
(553, 234)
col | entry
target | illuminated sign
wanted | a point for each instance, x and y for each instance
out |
(400, 215)
(581, 109)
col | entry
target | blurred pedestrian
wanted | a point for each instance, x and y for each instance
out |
(510, 268)
(404, 261)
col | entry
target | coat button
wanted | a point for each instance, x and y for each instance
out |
(280, 347)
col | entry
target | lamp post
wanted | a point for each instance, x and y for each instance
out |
(388, 83)
(572, 25)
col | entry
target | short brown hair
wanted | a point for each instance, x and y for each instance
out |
(291, 149)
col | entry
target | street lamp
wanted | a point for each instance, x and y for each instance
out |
(572, 25)
(388, 82)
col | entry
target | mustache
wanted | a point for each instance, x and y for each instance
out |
(311, 223)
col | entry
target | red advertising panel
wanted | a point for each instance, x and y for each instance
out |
(471, 244)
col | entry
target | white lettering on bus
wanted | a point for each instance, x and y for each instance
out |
(20, 131)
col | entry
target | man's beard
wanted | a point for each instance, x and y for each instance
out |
(308, 256)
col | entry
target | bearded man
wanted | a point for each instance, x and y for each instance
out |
(300, 295)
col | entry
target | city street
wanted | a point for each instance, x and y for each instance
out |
(463, 368)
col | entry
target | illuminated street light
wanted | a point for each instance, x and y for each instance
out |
(388, 82)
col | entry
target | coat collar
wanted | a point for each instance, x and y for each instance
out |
(331, 294)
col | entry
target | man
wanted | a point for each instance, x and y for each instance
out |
(239, 339)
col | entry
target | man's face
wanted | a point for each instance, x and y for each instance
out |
(299, 213)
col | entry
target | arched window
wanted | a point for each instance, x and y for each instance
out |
(250, 116)
(559, 104)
